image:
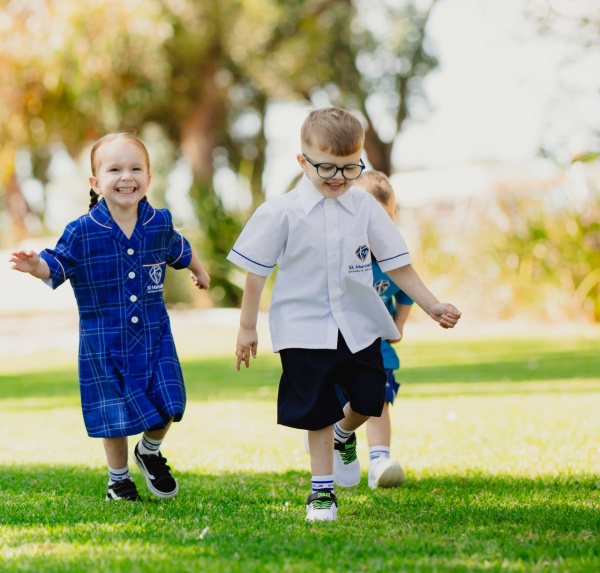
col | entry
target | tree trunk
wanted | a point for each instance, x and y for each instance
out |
(379, 152)
(256, 181)
(200, 134)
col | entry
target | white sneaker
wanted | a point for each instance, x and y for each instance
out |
(321, 506)
(385, 473)
(346, 467)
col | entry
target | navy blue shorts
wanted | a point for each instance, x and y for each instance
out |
(391, 389)
(307, 389)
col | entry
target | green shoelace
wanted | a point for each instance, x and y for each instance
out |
(348, 454)
(322, 503)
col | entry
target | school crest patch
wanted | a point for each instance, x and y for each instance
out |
(155, 274)
(381, 286)
(362, 253)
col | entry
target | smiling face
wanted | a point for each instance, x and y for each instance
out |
(331, 187)
(121, 173)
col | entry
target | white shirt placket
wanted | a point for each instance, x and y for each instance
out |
(333, 245)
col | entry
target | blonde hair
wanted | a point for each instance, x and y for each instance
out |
(377, 184)
(333, 130)
(111, 137)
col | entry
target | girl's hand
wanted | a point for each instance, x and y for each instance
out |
(200, 279)
(24, 261)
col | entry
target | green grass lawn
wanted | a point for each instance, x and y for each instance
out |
(499, 440)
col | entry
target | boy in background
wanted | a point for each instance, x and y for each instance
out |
(384, 471)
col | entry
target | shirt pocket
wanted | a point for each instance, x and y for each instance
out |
(153, 271)
(356, 259)
(154, 277)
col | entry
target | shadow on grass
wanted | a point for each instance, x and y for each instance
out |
(482, 363)
(255, 522)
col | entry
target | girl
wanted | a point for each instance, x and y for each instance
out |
(115, 257)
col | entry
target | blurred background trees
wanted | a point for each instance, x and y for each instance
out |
(198, 80)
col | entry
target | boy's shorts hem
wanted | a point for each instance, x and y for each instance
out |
(391, 389)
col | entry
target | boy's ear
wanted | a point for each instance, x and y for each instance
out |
(302, 162)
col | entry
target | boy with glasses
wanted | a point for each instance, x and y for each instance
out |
(326, 319)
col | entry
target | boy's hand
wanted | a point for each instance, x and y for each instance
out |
(24, 261)
(247, 343)
(446, 314)
(201, 279)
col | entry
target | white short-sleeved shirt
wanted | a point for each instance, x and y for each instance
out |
(324, 281)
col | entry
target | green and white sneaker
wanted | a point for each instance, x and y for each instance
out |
(321, 506)
(385, 473)
(346, 467)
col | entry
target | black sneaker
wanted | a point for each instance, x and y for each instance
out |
(124, 489)
(157, 473)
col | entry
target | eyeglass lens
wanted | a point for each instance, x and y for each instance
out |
(327, 170)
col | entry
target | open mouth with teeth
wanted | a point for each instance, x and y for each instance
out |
(126, 190)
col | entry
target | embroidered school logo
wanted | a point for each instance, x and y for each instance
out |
(362, 253)
(155, 273)
(381, 286)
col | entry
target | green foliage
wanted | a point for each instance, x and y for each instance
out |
(78, 70)
(525, 249)
(197, 70)
(220, 229)
(552, 256)
(74, 70)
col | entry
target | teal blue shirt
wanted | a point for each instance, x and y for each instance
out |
(390, 294)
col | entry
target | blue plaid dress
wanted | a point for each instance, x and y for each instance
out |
(129, 373)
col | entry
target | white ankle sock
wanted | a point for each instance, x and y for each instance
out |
(379, 453)
(340, 434)
(148, 446)
(320, 483)
(118, 475)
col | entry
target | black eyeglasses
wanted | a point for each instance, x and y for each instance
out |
(329, 170)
